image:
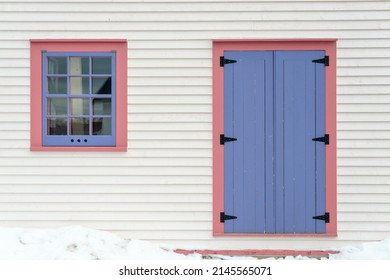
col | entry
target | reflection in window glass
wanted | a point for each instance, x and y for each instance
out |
(79, 85)
(57, 107)
(101, 126)
(57, 65)
(101, 65)
(57, 126)
(57, 85)
(79, 106)
(101, 106)
(79, 65)
(79, 126)
(101, 85)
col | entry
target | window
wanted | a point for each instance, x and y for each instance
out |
(274, 142)
(78, 99)
(78, 95)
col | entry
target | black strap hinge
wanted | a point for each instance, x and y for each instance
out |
(324, 139)
(223, 217)
(223, 139)
(325, 217)
(324, 60)
(223, 61)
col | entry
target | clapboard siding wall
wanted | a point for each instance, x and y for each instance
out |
(161, 189)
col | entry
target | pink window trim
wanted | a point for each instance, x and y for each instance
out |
(329, 46)
(83, 45)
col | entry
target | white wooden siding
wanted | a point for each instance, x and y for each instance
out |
(161, 189)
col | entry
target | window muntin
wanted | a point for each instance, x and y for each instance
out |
(78, 91)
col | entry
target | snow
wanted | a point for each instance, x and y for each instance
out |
(365, 251)
(79, 243)
(76, 243)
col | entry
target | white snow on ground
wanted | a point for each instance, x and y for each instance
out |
(79, 243)
(76, 243)
(365, 251)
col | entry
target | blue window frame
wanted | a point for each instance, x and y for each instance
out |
(78, 97)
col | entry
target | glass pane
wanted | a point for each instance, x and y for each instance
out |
(57, 126)
(101, 126)
(101, 65)
(101, 85)
(79, 106)
(57, 85)
(79, 85)
(102, 106)
(57, 65)
(79, 126)
(56, 107)
(79, 65)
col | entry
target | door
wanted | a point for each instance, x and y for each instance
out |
(274, 106)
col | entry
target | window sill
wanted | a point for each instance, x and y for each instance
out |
(77, 149)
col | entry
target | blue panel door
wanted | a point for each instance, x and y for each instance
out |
(274, 172)
(248, 161)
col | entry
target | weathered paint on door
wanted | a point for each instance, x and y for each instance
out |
(274, 172)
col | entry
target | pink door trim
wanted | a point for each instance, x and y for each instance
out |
(329, 46)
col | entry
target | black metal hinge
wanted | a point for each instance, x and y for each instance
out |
(223, 139)
(223, 217)
(325, 217)
(324, 60)
(324, 139)
(223, 61)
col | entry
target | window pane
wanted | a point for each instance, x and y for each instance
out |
(79, 85)
(79, 106)
(101, 106)
(101, 85)
(57, 65)
(101, 65)
(57, 126)
(101, 126)
(79, 126)
(56, 107)
(79, 65)
(57, 85)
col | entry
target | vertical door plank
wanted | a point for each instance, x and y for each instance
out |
(320, 147)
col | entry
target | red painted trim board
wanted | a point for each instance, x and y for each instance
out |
(264, 253)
